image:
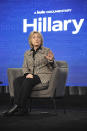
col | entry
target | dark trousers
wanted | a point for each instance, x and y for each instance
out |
(23, 88)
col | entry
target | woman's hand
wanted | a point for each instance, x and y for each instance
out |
(50, 56)
(29, 76)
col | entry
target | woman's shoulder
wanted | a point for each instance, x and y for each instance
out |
(27, 52)
(45, 48)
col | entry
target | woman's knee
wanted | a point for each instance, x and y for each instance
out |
(18, 80)
(28, 81)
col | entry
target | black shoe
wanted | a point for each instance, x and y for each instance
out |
(11, 111)
(10, 105)
(4, 113)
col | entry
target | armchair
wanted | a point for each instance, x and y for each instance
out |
(55, 87)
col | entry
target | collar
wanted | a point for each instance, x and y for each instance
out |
(40, 48)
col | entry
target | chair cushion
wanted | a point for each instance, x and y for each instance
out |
(41, 86)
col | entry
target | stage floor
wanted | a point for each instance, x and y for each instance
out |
(42, 117)
(41, 121)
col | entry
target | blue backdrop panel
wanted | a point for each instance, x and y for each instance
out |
(63, 24)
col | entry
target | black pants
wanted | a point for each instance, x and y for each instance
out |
(23, 88)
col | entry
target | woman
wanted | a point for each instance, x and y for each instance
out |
(38, 61)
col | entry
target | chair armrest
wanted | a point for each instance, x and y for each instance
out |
(58, 79)
(12, 74)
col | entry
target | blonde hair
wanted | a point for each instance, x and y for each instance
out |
(30, 38)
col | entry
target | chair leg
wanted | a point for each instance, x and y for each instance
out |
(64, 106)
(54, 104)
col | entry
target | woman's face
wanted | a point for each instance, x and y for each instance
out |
(36, 40)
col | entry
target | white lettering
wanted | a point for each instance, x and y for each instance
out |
(25, 25)
(57, 26)
(66, 22)
(47, 24)
(40, 24)
(77, 26)
(44, 24)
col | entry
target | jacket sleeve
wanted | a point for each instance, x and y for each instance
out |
(25, 67)
(52, 62)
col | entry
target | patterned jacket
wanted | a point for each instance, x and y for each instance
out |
(38, 64)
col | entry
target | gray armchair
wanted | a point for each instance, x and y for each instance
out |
(55, 87)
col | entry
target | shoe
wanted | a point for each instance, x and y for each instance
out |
(11, 111)
(4, 113)
(10, 105)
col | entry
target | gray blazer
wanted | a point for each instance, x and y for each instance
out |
(42, 67)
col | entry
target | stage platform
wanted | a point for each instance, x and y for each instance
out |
(43, 116)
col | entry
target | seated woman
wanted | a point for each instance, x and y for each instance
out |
(38, 61)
